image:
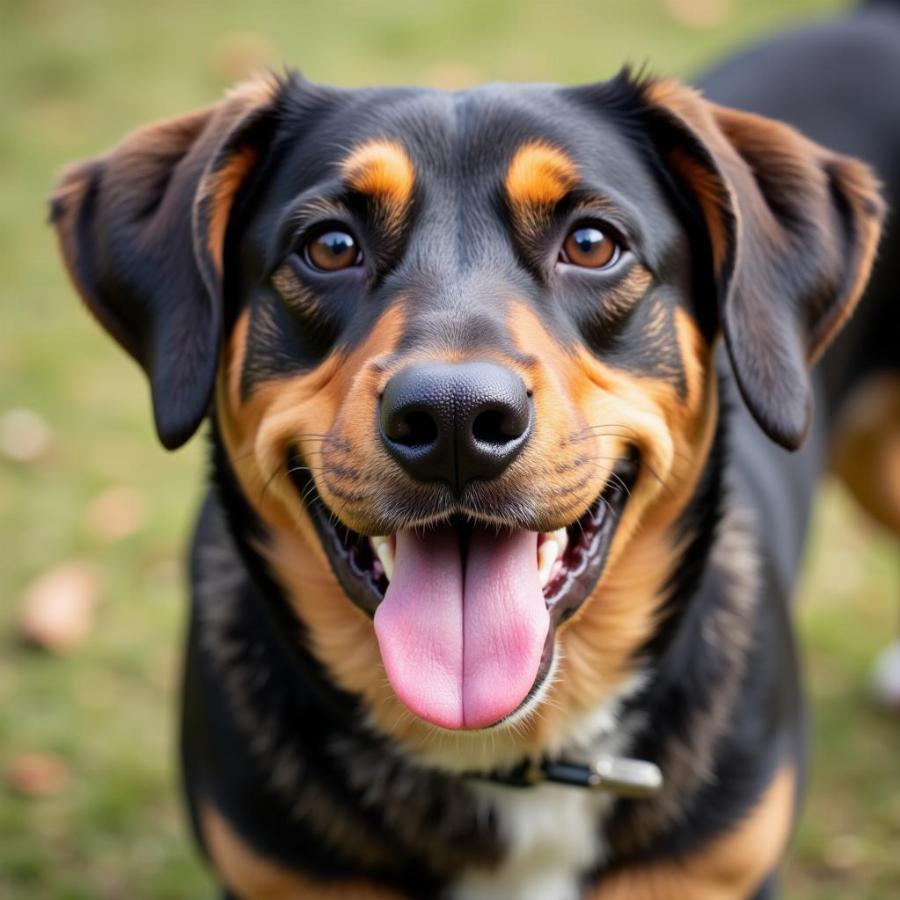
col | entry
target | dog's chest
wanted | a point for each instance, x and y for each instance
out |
(553, 836)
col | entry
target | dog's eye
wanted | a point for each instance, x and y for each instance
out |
(586, 245)
(333, 250)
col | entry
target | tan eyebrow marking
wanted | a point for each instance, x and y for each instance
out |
(381, 169)
(538, 176)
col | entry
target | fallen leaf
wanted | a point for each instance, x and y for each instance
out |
(845, 852)
(57, 609)
(116, 513)
(24, 435)
(37, 774)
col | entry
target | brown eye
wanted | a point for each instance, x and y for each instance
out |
(332, 251)
(589, 247)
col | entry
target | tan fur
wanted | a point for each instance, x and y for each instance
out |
(621, 299)
(539, 175)
(251, 876)
(298, 295)
(866, 450)
(382, 170)
(731, 867)
(221, 188)
(257, 431)
(231, 369)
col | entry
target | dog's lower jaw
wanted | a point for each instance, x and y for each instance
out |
(465, 619)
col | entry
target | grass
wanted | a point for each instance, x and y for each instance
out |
(73, 78)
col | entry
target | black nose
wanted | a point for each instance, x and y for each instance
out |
(455, 422)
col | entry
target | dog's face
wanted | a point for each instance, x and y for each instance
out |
(460, 350)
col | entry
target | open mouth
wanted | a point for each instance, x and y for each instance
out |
(465, 612)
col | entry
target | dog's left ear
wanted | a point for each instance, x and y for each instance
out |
(142, 232)
(792, 231)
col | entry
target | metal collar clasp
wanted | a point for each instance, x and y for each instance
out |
(615, 774)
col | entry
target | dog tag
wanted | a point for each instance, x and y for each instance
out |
(618, 775)
(626, 777)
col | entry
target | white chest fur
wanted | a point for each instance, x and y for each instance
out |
(553, 836)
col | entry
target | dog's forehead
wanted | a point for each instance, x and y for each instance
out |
(468, 138)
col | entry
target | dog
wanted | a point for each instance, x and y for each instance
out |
(491, 583)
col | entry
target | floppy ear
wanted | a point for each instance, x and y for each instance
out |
(142, 232)
(792, 230)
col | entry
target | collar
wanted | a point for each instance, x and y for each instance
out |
(614, 774)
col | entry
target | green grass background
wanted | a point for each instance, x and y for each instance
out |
(75, 76)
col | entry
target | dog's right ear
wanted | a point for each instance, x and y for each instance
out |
(142, 232)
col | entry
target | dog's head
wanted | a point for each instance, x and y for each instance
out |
(459, 351)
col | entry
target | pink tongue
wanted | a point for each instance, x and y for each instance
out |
(462, 645)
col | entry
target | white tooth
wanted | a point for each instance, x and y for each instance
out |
(548, 553)
(384, 550)
(557, 568)
(561, 536)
